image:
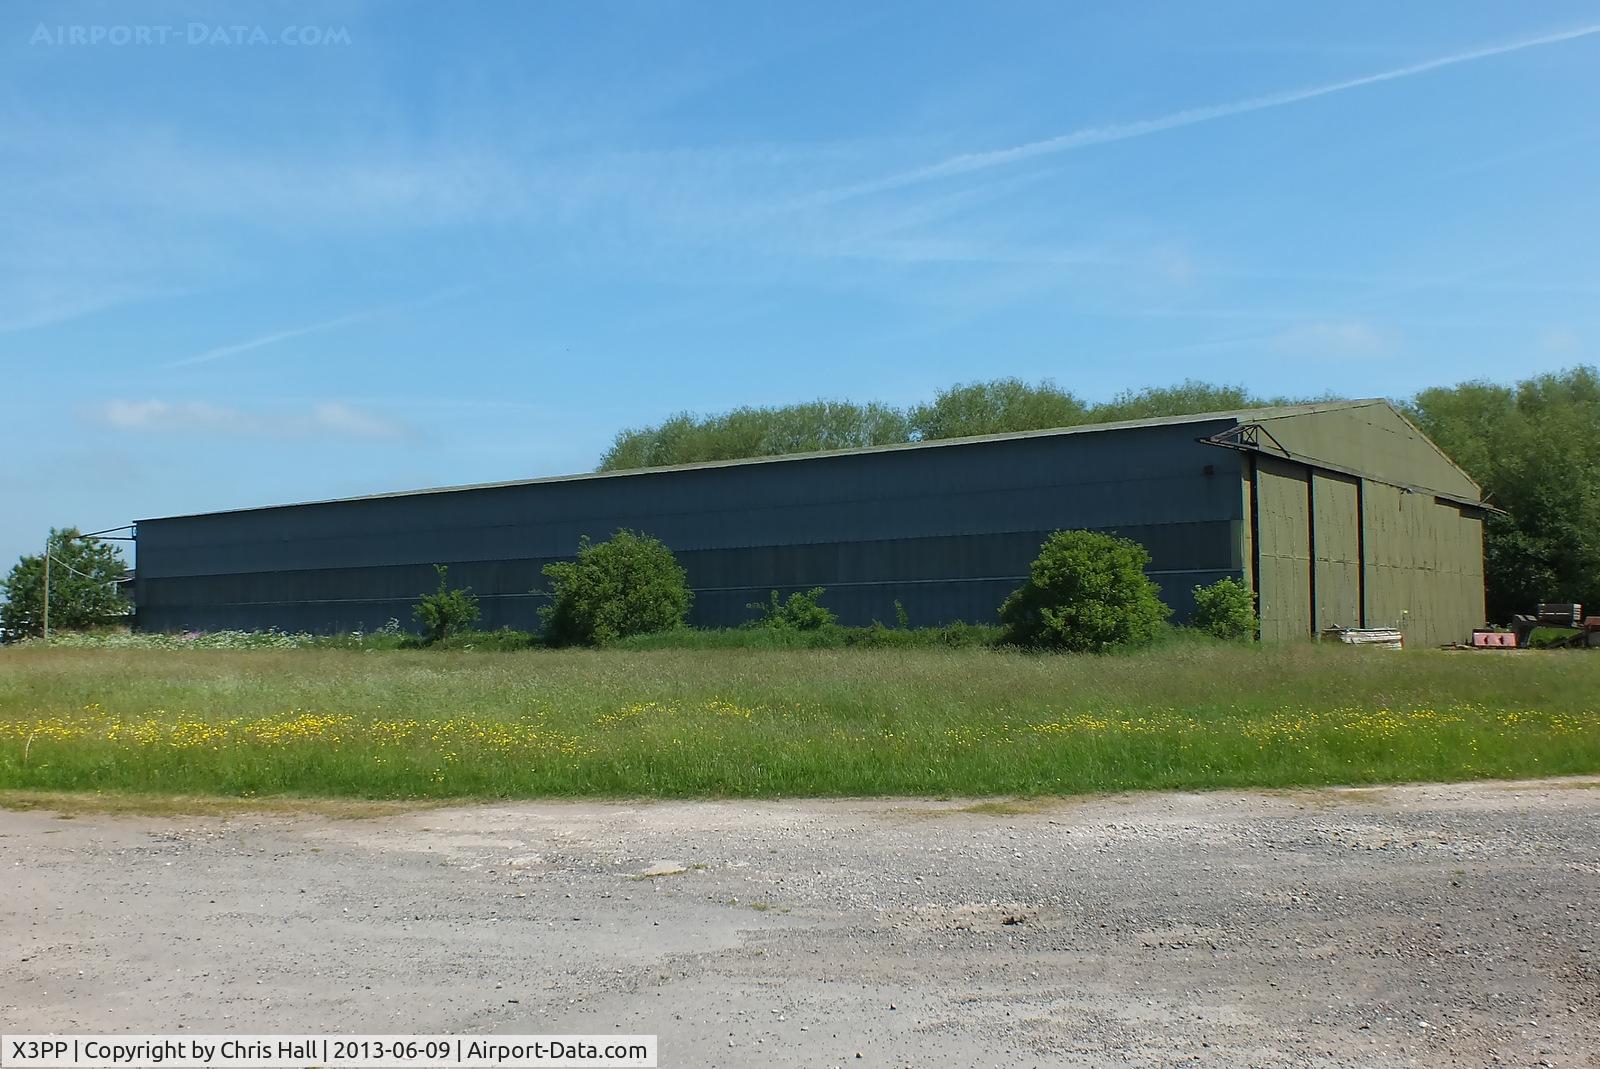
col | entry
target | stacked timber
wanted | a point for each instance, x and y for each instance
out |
(1383, 638)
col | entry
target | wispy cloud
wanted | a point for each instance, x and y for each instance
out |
(56, 267)
(1333, 339)
(33, 303)
(325, 419)
(1561, 340)
(969, 162)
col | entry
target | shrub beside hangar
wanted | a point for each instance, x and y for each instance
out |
(1336, 514)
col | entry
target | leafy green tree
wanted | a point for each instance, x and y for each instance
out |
(1185, 399)
(1226, 609)
(648, 447)
(1535, 449)
(1001, 406)
(83, 586)
(802, 611)
(821, 425)
(449, 611)
(1086, 592)
(756, 432)
(630, 584)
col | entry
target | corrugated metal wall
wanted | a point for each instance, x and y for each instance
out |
(1384, 555)
(1337, 502)
(1372, 439)
(947, 530)
(1425, 566)
(1284, 569)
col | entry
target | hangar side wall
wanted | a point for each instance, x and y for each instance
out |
(947, 530)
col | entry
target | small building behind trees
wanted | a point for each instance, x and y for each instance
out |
(1340, 514)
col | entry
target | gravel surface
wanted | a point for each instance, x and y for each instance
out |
(1438, 925)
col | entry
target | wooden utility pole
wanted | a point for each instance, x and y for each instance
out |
(46, 628)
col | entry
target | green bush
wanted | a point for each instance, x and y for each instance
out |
(878, 636)
(801, 612)
(447, 611)
(962, 635)
(1085, 592)
(504, 640)
(1226, 609)
(735, 638)
(628, 585)
(875, 636)
(959, 635)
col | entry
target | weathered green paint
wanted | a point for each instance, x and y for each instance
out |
(1285, 563)
(1352, 516)
(1373, 439)
(1424, 566)
(1338, 534)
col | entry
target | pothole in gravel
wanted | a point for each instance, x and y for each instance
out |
(973, 916)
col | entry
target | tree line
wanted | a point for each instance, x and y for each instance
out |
(1534, 447)
(999, 406)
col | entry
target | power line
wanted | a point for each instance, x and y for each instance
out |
(70, 568)
(50, 558)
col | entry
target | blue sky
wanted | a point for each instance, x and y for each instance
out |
(265, 253)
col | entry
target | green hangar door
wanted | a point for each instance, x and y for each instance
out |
(1283, 562)
(1309, 526)
(1336, 547)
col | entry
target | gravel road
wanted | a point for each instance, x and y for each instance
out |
(1441, 925)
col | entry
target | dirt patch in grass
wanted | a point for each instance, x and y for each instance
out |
(1001, 807)
(1010, 807)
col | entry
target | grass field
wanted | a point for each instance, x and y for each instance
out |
(428, 724)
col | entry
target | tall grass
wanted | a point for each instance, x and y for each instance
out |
(828, 637)
(763, 722)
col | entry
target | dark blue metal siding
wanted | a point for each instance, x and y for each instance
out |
(946, 530)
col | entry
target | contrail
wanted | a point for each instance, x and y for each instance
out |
(1099, 135)
(266, 339)
(313, 328)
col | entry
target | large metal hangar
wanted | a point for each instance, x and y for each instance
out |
(1340, 514)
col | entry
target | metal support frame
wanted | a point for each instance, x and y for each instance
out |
(1247, 438)
(1255, 541)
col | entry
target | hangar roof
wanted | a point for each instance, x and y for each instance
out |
(1239, 415)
